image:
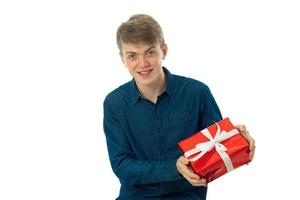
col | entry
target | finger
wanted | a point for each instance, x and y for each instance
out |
(204, 183)
(185, 170)
(195, 182)
(243, 130)
(244, 133)
(200, 182)
(200, 185)
(181, 162)
(241, 127)
(252, 151)
(184, 160)
(251, 142)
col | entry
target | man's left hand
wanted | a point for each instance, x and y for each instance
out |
(242, 129)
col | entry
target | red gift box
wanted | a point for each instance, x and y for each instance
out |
(216, 150)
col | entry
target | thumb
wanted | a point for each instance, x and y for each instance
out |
(185, 161)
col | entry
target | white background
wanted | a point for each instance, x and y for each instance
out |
(59, 59)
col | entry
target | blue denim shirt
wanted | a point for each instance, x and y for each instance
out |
(142, 136)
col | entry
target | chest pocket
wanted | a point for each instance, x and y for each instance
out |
(182, 123)
(180, 127)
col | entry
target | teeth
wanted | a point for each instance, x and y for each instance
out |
(145, 72)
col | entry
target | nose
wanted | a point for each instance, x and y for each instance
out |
(143, 62)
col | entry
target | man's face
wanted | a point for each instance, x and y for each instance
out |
(144, 62)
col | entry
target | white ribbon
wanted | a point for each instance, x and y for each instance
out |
(213, 143)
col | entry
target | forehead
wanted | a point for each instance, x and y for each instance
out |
(137, 47)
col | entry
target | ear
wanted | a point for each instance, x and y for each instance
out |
(164, 49)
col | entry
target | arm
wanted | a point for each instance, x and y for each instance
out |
(209, 114)
(123, 160)
(183, 168)
(194, 179)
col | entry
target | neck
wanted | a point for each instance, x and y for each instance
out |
(151, 92)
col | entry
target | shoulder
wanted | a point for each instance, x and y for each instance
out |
(119, 94)
(189, 84)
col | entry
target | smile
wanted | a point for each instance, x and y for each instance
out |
(145, 72)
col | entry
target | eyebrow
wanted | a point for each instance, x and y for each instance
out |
(128, 52)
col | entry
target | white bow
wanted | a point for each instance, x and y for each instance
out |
(213, 143)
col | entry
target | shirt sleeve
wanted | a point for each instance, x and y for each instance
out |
(210, 111)
(127, 168)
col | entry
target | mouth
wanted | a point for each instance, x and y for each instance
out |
(144, 72)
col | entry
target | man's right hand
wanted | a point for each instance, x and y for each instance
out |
(187, 172)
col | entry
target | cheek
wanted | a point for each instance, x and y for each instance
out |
(130, 64)
(130, 70)
(131, 67)
(155, 61)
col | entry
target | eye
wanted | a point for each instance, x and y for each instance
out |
(151, 52)
(131, 56)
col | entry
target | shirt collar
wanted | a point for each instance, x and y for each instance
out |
(169, 89)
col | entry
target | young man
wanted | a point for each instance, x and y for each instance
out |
(146, 117)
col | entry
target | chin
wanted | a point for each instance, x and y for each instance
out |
(145, 82)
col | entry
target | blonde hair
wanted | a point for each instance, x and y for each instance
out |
(140, 28)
